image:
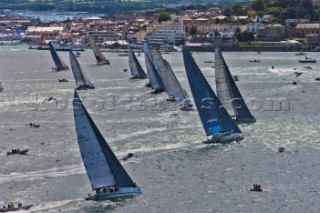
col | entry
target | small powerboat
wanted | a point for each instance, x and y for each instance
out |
(17, 151)
(12, 208)
(63, 80)
(256, 188)
(255, 60)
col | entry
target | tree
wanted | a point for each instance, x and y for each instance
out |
(275, 11)
(227, 12)
(287, 13)
(245, 36)
(164, 16)
(302, 13)
(258, 5)
(251, 13)
(193, 31)
(307, 5)
(238, 10)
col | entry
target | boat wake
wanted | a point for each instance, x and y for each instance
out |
(282, 70)
(137, 134)
(42, 174)
(51, 206)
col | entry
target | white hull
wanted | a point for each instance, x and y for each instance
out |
(226, 137)
(125, 192)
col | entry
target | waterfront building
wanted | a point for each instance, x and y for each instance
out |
(302, 29)
(166, 38)
(104, 36)
(272, 32)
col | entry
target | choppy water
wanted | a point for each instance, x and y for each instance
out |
(176, 172)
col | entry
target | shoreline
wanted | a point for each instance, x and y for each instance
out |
(195, 49)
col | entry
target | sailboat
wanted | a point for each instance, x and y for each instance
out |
(171, 83)
(215, 119)
(228, 92)
(60, 65)
(80, 77)
(135, 67)
(97, 53)
(155, 81)
(106, 174)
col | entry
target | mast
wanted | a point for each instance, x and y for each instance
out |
(228, 92)
(101, 59)
(213, 116)
(155, 80)
(56, 59)
(135, 66)
(82, 81)
(102, 166)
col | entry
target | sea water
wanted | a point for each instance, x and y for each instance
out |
(175, 170)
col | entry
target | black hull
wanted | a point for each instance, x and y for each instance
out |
(307, 61)
(22, 152)
(256, 190)
(157, 91)
(63, 80)
(139, 77)
(60, 68)
(84, 87)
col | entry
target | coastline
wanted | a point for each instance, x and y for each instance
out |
(192, 48)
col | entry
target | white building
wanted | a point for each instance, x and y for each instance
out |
(254, 26)
(103, 36)
(166, 38)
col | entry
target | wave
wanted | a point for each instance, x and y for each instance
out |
(42, 174)
(137, 133)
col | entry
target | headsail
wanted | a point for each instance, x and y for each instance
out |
(60, 65)
(214, 118)
(101, 59)
(228, 92)
(102, 166)
(80, 77)
(170, 81)
(154, 78)
(135, 66)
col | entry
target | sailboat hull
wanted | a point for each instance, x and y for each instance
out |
(245, 120)
(84, 87)
(139, 77)
(125, 192)
(61, 68)
(226, 137)
(102, 62)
